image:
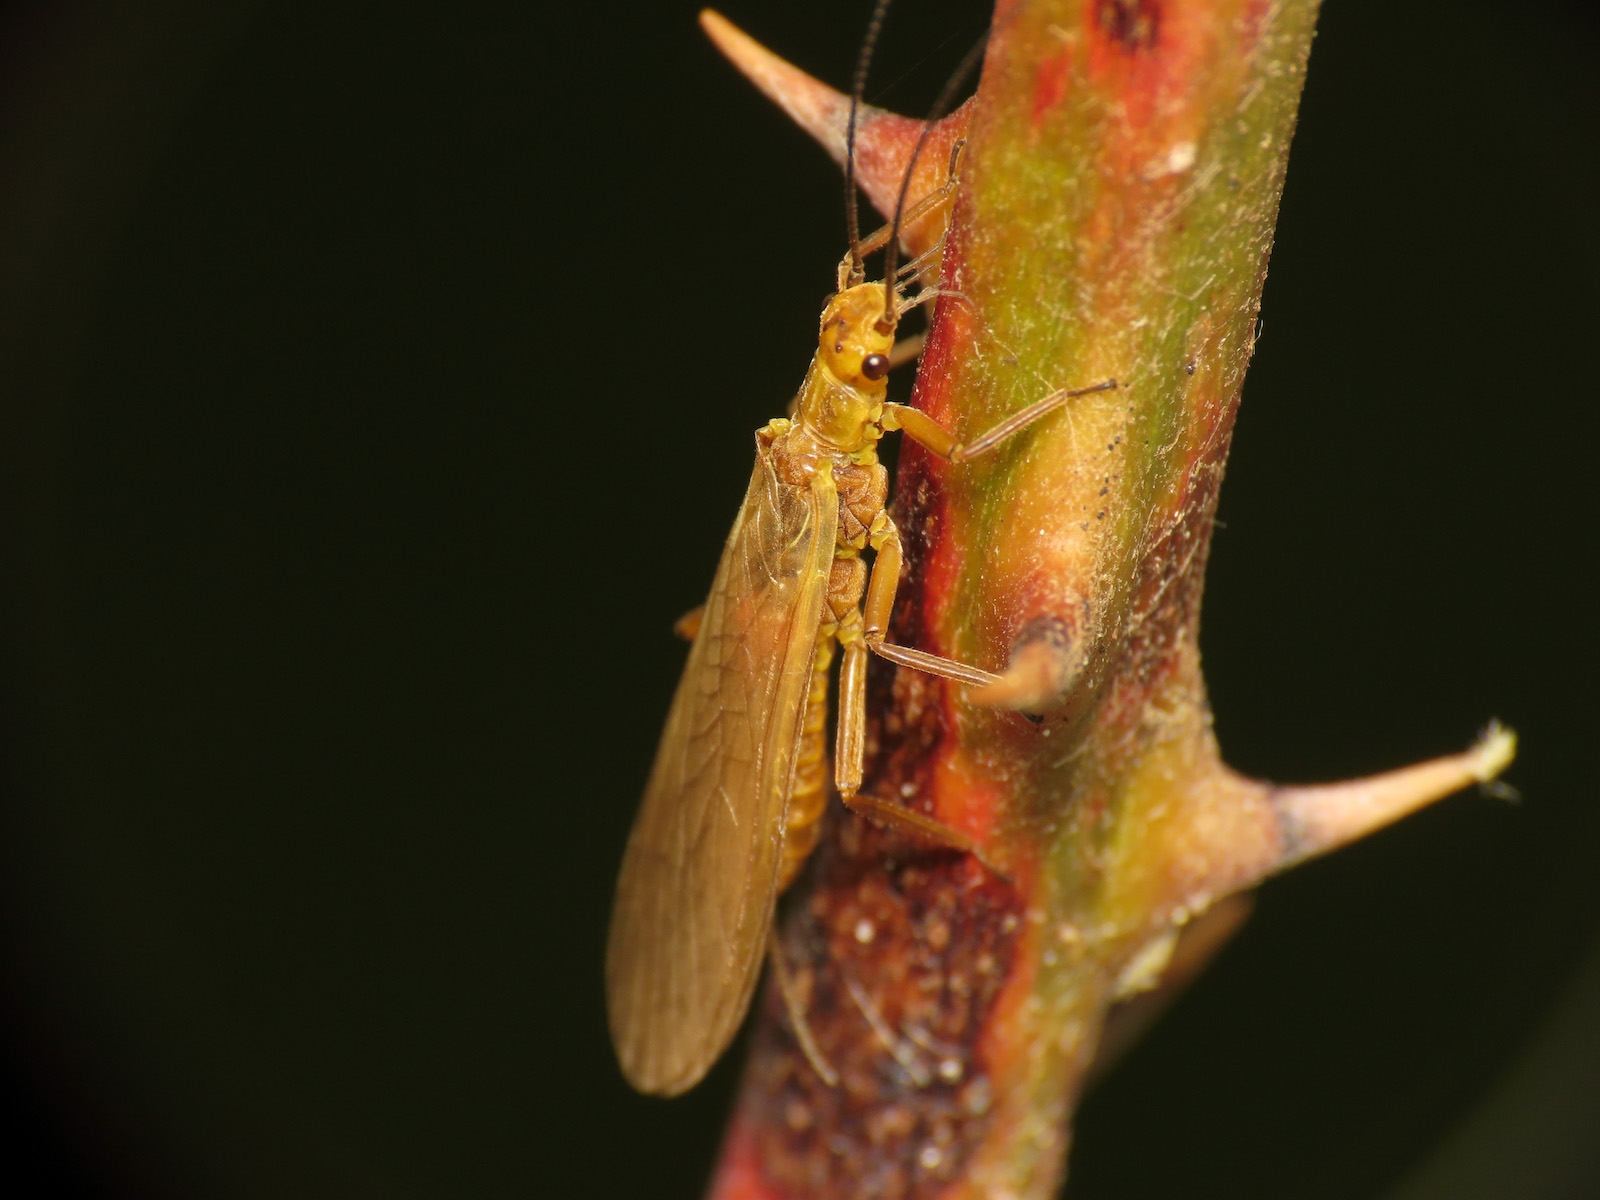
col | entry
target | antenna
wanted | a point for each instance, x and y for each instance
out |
(858, 85)
(940, 106)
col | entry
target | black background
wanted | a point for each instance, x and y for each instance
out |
(377, 385)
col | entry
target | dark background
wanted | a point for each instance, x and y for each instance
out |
(377, 384)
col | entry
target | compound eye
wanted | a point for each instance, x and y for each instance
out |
(875, 366)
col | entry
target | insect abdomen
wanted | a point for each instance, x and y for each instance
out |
(809, 797)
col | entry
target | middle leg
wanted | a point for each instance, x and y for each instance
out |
(856, 634)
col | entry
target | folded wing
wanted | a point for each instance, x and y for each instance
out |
(699, 878)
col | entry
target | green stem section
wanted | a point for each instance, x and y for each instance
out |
(1116, 215)
(1118, 193)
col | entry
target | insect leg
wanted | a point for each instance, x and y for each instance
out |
(936, 439)
(880, 604)
(849, 751)
(919, 265)
(856, 635)
(797, 1012)
(943, 194)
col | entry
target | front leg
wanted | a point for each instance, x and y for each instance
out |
(936, 439)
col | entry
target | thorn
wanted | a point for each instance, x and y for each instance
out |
(884, 140)
(1043, 666)
(811, 104)
(1317, 819)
